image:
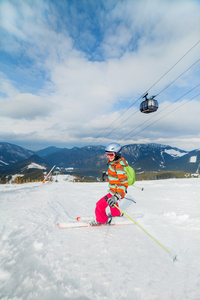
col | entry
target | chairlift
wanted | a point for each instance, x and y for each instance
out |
(148, 105)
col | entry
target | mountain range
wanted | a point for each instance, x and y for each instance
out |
(10, 154)
(91, 160)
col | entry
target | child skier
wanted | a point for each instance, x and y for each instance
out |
(118, 185)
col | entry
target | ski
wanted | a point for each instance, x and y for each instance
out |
(80, 225)
(84, 222)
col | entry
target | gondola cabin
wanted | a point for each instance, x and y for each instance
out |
(148, 105)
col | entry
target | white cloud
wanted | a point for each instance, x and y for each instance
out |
(25, 106)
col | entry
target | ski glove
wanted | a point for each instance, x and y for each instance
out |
(113, 200)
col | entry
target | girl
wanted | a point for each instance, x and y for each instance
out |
(118, 185)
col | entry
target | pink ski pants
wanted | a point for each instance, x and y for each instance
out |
(100, 210)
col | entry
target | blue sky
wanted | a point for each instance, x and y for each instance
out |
(70, 69)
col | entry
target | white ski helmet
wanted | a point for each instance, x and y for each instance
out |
(113, 147)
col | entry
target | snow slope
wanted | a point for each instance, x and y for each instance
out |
(42, 262)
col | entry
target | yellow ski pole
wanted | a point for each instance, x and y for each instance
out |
(142, 189)
(173, 256)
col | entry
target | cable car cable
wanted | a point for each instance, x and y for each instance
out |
(165, 108)
(119, 125)
(114, 121)
(155, 96)
(162, 111)
(178, 77)
(174, 65)
(166, 114)
(148, 90)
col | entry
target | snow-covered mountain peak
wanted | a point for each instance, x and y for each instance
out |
(36, 166)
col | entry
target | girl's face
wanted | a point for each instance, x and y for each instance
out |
(110, 155)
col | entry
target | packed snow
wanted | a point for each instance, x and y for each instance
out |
(39, 261)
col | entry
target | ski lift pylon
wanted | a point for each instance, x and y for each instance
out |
(149, 105)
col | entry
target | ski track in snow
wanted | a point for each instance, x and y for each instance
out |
(42, 262)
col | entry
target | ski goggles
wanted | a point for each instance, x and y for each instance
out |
(110, 154)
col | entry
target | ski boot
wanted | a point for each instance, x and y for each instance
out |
(95, 223)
